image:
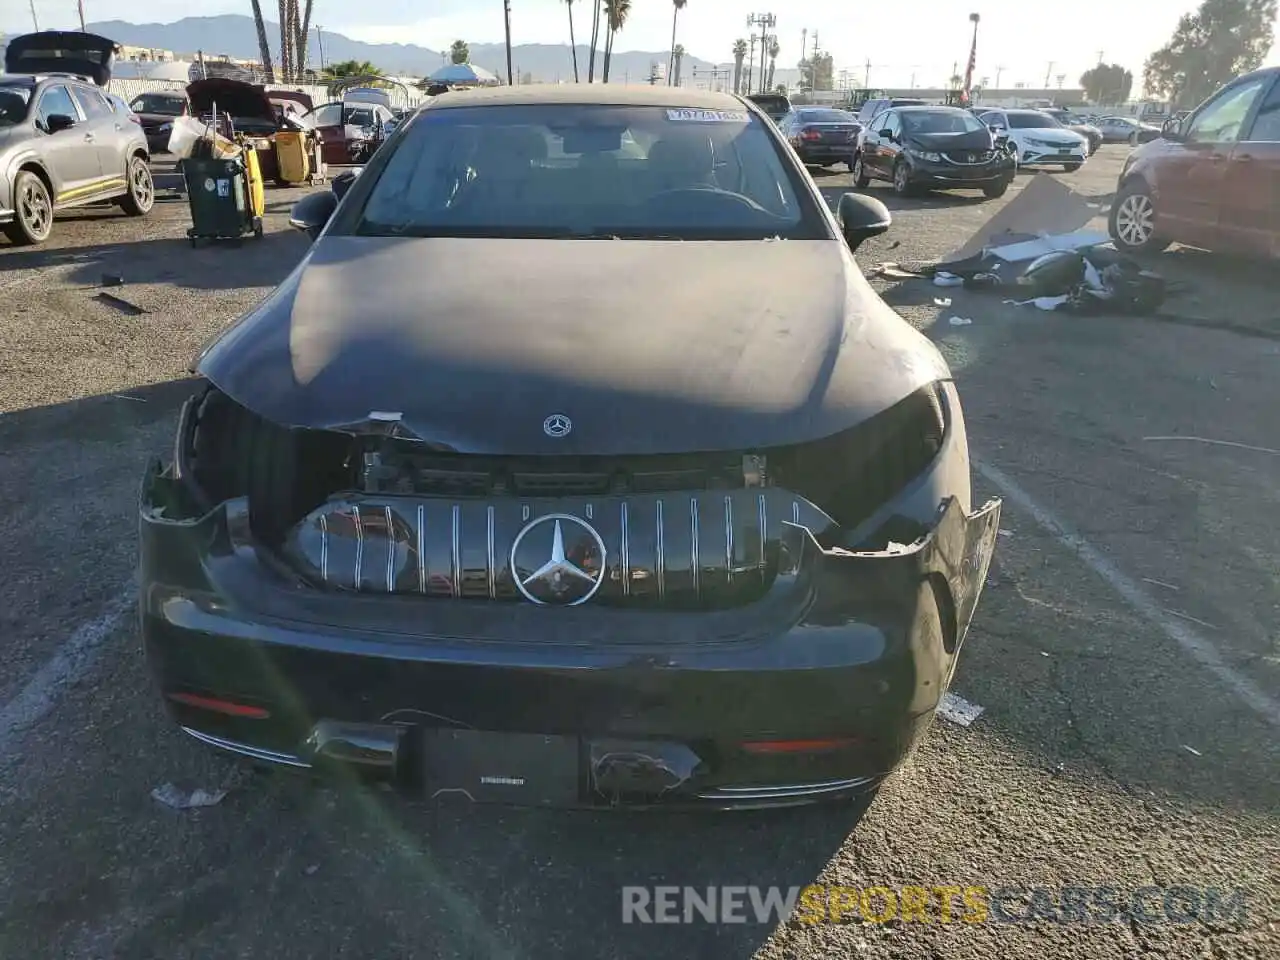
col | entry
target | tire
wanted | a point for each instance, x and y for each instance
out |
(32, 211)
(142, 189)
(996, 190)
(1131, 222)
(1072, 167)
(860, 178)
(901, 180)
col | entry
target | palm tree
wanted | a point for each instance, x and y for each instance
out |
(264, 47)
(678, 5)
(459, 52)
(774, 50)
(595, 40)
(739, 56)
(354, 68)
(677, 60)
(300, 44)
(617, 12)
(573, 44)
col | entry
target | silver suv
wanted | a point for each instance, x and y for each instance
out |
(62, 142)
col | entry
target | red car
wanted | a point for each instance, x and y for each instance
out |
(1211, 180)
(348, 130)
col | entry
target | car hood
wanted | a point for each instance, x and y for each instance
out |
(1051, 134)
(970, 140)
(647, 346)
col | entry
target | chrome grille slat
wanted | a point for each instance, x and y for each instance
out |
(422, 549)
(440, 548)
(695, 560)
(359, 523)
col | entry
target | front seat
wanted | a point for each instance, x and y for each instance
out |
(682, 163)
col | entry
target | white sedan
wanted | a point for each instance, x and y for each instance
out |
(1037, 139)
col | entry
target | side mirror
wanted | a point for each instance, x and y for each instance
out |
(1171, 129)
(885, 134)
(57, 122)
(995, 128)
(343, 181)
(862, 218)
(311, 213)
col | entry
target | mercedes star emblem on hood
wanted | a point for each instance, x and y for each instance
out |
(557, 425)
(566, 570)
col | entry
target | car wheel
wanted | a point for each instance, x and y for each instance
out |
(996, 190)
(860, 178)
(1132, 223)
(901, 179)
(1071, 167)
(32, 210)
(142, 189)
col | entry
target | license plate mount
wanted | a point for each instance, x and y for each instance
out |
(530, 769)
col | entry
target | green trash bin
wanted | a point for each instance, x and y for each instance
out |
(218, 194)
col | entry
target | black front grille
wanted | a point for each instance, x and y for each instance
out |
(970, 156)
(400, 468)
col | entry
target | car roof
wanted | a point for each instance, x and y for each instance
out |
(928, 108)
(611, 94)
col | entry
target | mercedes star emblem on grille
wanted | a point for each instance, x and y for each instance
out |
(557, 425)
(558, 560)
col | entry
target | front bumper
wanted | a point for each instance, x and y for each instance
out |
(960, 176)
(816, 691)
(1035, 156)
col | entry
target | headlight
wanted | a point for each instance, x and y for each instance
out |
(1036, 142)
(928, 155)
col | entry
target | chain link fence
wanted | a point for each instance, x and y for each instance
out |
(319, 93)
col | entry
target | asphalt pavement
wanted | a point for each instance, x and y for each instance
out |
(1125, 653)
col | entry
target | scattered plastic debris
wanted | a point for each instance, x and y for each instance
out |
(171, 796)
(942, 301)
(312, 870)
(1004, 533)
(944, 279)
(125, 396)
(960, 321)
(958, 710)
(1192, 750)
(1161, 583)
(1191, 619)
(1044, 653)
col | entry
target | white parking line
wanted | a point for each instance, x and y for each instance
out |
(72, 661)
(1201, 650)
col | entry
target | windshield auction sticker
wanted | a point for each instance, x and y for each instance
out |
(708, 116)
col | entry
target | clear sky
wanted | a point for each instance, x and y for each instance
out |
(1029, 40)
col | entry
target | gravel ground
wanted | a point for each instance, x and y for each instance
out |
(1125, 652)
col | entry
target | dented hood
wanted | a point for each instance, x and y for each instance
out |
(470, 344)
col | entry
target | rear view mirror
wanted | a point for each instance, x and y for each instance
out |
(57, 122)
(862, 218)
(886, 134)
(311, 213)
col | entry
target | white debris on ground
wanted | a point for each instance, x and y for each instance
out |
(957, 709)
(960, 321)
(172, 796)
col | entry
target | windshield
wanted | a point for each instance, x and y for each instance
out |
(1032, 120)
(154, 103)
(826, 116)
(589, 171)
(13, 104)
(941, 121)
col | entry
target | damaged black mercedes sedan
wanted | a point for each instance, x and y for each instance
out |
(575, 465)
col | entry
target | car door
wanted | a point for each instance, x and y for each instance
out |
(1192, 173)
(887, 129)
(109, 138)
(1249, 217)
(71, 155)
(327, 122)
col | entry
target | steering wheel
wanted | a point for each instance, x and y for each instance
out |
(702, 194)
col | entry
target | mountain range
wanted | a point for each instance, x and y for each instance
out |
(235, 36)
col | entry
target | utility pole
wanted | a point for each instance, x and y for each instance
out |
(80, 9)
(766, 22)
(866, 76)
(804, 41)
(34, 22)
(999, 73)
(506, 5)
(1101, 53)
(320, 44)
(1047, 74)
